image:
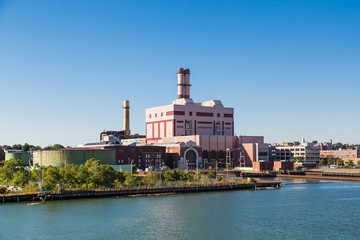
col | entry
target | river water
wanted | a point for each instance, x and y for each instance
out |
(327, 210)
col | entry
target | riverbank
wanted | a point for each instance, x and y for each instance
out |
(319, 177)
(134, 191)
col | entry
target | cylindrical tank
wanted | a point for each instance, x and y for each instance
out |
(181, 90)
(127, 117)
(23, 156)
(187, 83)
(75, 156)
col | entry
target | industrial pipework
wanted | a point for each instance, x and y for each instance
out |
(127, 117)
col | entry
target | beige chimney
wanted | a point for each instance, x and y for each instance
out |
(126, 117)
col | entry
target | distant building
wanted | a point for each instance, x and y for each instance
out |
(340, 153)
(286, 150)
(345, 154)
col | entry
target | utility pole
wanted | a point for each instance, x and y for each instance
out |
(228, 158)
(197, 169)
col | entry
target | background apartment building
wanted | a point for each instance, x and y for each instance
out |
(286, 150)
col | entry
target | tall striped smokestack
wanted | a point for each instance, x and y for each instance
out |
(181, 82)
(187, 83)
(127, 117)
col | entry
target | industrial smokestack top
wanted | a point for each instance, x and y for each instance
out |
(183, 83)
(127, 117)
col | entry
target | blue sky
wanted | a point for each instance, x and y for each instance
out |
(291, 69)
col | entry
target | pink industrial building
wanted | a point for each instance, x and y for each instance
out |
(209, 125)
(184, 117)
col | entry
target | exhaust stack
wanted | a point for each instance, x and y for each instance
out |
(127, 117)
(183, 83)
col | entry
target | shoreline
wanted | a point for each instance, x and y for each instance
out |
(319, 177)
(138, 191)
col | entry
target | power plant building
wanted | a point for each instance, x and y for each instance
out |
(209, 125)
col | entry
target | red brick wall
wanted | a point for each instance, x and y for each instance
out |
(279, 165)
(263, 166)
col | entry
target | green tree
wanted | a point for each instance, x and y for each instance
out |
(25, 147)
(315, 141)
(2, 154)
(322, 162)
(297, 159)
(3, 190)
(339, 145)
(350, 163)
(340, 162)
(52, 177)
(16, 147)
(20, 178)
(152, 177)
(9, 169)
(211, 174)
(35, 148)
(130, 180)
(330, 161)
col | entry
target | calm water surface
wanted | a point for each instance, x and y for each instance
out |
(298, 211)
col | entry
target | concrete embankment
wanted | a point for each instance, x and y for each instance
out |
(132, 191)
(325, 175)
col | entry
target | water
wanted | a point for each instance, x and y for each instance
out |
(298, 211)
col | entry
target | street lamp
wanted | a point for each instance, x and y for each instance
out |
(216, 167)
(160, 170)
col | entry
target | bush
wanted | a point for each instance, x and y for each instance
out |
(31, 187)
(3, 190)
(251, 180)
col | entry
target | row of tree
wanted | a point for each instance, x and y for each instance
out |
(339, 162)
(93, 173)
(28, 147)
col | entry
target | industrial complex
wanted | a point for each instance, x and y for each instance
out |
(184, 134)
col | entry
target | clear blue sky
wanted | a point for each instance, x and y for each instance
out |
(291, 69)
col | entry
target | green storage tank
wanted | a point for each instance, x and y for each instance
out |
(23, 156)
(75, 156)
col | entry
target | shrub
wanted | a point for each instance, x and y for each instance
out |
(3, 190)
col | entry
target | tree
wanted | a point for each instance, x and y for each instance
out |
(297, 159)
(2, 154)
(130, 180)
(25, 147)
(54, 147)
(3, 190)
(339, 145)
(16, 147)
(322, 162)
(330, 161)
(340, 162)
(10, 169)
(211, 174)
(315, 141)
(350, 163)
(296, 143)
(6, 147)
